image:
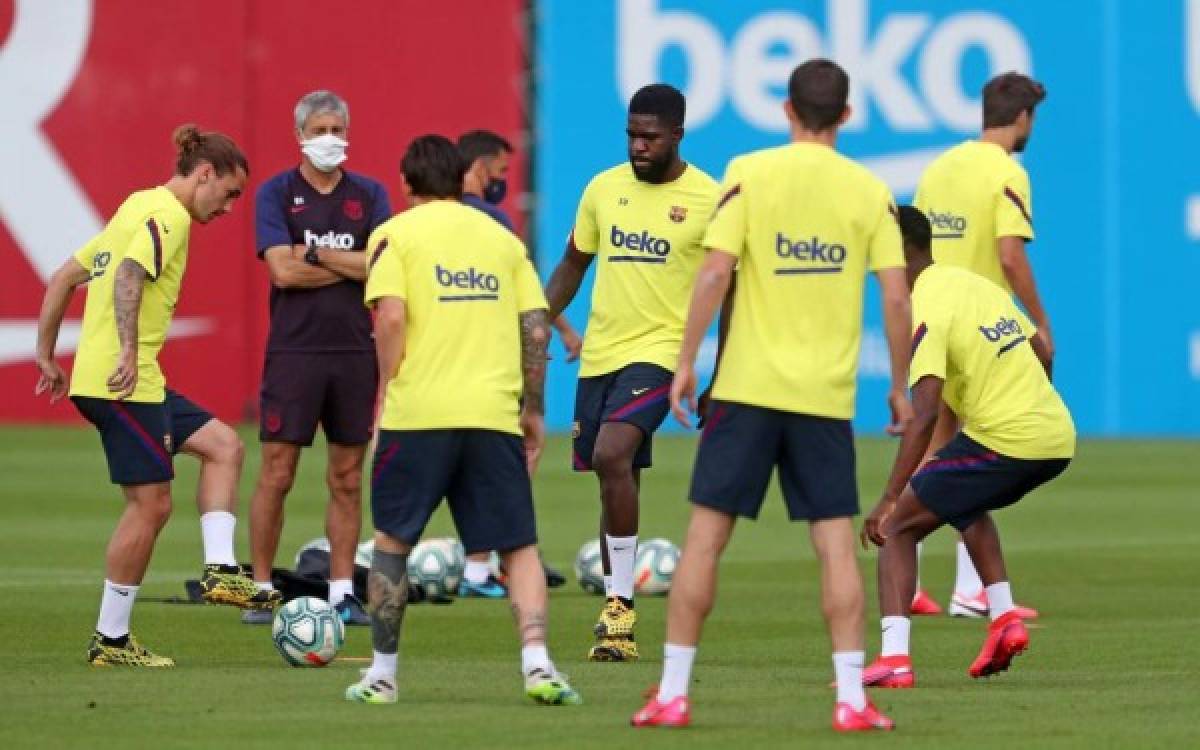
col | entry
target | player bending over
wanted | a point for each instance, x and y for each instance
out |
(974, 348)
(461, 333)
(135, 268)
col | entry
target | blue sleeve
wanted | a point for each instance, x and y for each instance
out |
(381, 210)
(270, 222)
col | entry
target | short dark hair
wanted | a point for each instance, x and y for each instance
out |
(481, 143)
(661, 100)
(433, 167)
(818, 90)
(192, 147)
(1007, 95)
(914, 227)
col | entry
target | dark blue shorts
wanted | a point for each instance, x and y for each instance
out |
(965, 480)
(636, 394)
(302, 389)
(480, 472)
(742, 445)
(139, 439)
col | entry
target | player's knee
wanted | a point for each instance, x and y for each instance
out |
(611, 462)
(155, 506)
(345, 485)
(278, 477)
(226, 447)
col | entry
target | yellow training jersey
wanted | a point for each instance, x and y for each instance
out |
(151, 227)
(646, 238)
(974, 194)
(464, 279)
(806, 224)
(969, 333)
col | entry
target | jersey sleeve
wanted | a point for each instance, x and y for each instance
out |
(885, 248)
(727, 229)
(1014, 207)
(931, 326)
(270, 221)
(586, 234)
(381, 209)
(86, 256)
(153, 245)
(385, 268)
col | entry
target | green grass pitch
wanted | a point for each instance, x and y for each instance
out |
(1110, 553)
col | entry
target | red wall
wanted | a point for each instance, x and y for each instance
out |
(405, 67)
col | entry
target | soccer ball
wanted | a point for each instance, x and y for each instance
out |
(655, 567)
(308, 632)
(589, 568)
(362, 555)
(320, 543)
(436, 566)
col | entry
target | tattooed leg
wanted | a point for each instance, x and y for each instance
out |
(387, 597)
(527, 594)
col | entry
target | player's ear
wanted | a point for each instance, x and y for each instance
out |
(789, 112)
(846, 113)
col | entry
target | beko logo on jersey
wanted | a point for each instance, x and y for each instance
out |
(947, 226)
(818, 255)
(475, 284)
(658, 248)
(331, 239)
(1002, 329)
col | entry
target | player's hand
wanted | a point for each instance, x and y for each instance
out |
(902, 412)
(683, 391)
(702, 406)
(872, 529)
(1047, 349)
(123, 380)
(573, 343)
(533, 427)
(51, 379)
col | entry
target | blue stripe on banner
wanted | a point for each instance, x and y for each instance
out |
(468, 297)
(635, 259)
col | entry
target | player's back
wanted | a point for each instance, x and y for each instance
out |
(464, 279)
(974, 194)
(151, 227)
(807, 225)
(994, 381)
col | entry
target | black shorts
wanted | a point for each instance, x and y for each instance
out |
(480, 472)
(965, 480)
(140, 439)
(300, 389)
(636, 394)
(741, 446)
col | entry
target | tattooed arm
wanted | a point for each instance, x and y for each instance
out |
(535, 333)
(127, 305)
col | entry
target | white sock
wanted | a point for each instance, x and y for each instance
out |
(216, 527)
(264, 585)
(339, 589)
(115, 607)
(966, 580)
(476, 571)
(848, 669)
(622, 550)
(607, 586)
(920, 546)
(895, 636)
(383, 666)
(677, 671)
(1000, 599)
(535, 657)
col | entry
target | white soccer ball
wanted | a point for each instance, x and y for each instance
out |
(436, 565)
(363, 554)
(589, 568)
(308, 632)
(655, 566)
(320, 543)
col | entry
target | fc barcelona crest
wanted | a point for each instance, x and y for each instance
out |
(353, 209)
(678, 214)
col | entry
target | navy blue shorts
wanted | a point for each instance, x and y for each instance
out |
(140, 440)
(636, 394)
(965, 480)
(302, 389)
(480, 472)
(742, 445)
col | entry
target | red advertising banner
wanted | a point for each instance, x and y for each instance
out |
(92, 91)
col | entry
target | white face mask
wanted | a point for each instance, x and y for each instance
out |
(325, 152)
